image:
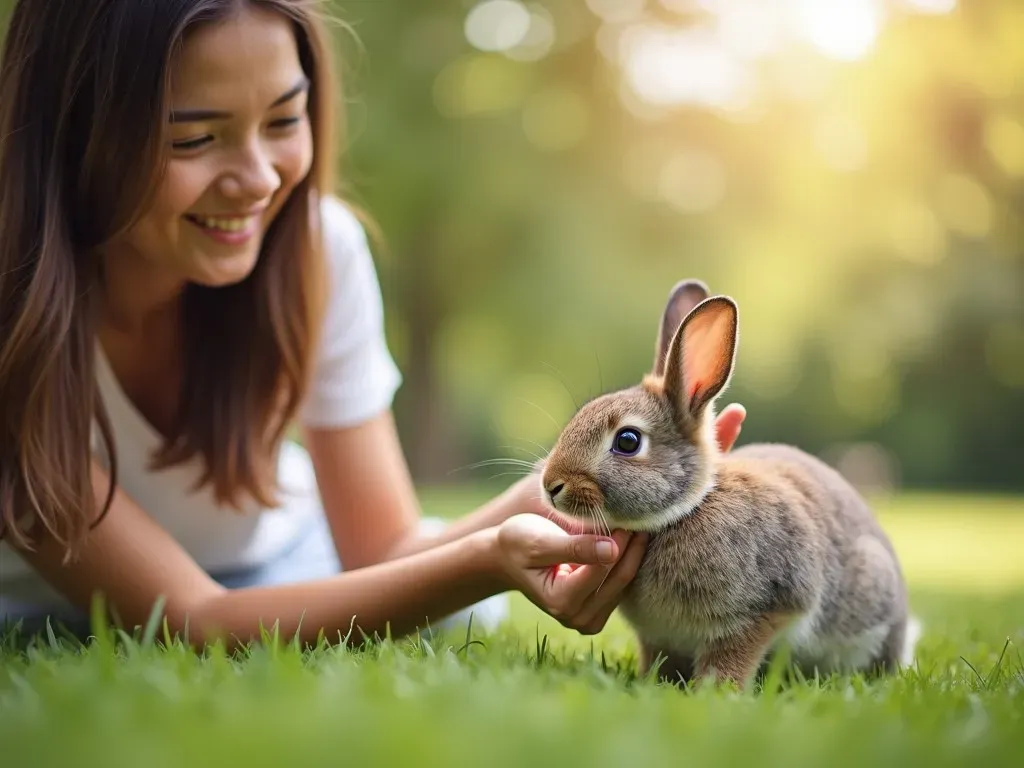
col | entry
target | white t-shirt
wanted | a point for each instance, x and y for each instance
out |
(355, 379)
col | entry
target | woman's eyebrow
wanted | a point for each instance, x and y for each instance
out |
(201, 115)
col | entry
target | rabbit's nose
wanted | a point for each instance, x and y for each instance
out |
(555, 489)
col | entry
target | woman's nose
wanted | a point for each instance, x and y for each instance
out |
(255, 177)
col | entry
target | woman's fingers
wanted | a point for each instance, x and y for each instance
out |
(600, 603)
(578, 585)
(728, 425)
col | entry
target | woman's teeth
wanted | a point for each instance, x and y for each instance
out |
(225, 225)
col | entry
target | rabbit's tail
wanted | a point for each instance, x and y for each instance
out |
(910, 640)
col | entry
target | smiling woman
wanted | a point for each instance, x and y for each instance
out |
(178, 287)
(239, 145)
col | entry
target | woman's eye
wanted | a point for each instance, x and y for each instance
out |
(284, 122)
(195, 143)
(627, 441)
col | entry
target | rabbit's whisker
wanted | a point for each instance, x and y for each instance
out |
(528, 402)
(509, 462)
(535, 455)
(558, 373)
(544, 451)
(512, 474)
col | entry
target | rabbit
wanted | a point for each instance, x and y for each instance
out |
(762, 546)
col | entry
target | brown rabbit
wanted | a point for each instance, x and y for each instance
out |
(750, 549)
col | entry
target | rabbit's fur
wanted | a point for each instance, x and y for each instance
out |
(748, 549)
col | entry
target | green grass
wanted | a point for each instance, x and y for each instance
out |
(536, 694)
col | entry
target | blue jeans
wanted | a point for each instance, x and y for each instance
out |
(313, 557)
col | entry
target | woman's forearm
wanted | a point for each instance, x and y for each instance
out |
(490, 515)
(406, 594)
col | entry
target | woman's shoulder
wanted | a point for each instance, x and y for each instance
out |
(355, 375)
(343, 232)
(352, 269)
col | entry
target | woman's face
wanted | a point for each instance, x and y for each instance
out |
(241, 142)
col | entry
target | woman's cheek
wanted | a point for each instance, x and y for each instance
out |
(296, 158)
(185, 183)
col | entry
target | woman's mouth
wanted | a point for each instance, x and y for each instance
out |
(230, 230)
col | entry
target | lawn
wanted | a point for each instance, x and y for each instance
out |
(535, 694)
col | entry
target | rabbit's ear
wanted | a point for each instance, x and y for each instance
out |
(683, 297)
(701, 356)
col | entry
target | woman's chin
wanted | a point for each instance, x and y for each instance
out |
(224, 272)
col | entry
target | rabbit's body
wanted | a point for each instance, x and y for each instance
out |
(780, 546)
(750, 549)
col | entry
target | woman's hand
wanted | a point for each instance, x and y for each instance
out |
(578, 580)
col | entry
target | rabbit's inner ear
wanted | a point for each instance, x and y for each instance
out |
(683, 297)
(703, 355)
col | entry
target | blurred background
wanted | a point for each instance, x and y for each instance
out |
(850, 171)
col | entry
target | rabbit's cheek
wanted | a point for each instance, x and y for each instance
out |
(632, 493)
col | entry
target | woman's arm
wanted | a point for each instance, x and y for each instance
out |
(133, 561)
(370, 501)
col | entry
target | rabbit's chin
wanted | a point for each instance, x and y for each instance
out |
(654, 520)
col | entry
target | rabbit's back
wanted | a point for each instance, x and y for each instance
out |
(781, 534)
(838, 509)
(863, 589)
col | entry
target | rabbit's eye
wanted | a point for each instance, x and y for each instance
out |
(627, 441)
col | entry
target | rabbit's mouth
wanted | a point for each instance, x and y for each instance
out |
(577, 497)
(593, 512)
(581, 505)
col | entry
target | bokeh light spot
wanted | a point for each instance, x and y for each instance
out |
(497, 25)
(479, 84)
(667, 66)
(840, 29)
(539, 38)
(616, 10)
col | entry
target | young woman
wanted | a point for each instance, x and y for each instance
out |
(179, 287)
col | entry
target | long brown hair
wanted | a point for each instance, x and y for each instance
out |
(84, 95)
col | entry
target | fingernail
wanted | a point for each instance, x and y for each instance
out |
(604, 551)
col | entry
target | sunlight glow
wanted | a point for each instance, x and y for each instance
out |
(497, 25)
(677, 66)
(931, 6)
(616, 10)
(539, 37)
(749, 29)
(709, 59)
(840, 29)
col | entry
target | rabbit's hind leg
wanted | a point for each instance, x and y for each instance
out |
(673, 667)
(737, 657)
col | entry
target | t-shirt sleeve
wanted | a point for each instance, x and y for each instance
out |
(355, 377)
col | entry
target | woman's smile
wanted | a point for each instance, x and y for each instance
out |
(227, 229)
